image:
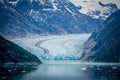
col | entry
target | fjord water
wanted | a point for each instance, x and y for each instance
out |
(58, 49)
(73, 70)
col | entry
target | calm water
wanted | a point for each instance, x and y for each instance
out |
(72, 71)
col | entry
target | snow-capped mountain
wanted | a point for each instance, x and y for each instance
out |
(97, 8)
(20, 18)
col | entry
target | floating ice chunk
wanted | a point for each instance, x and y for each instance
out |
(114, 67)
(9, 70)
(83, 68)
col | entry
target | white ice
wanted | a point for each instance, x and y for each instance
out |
(62, 47)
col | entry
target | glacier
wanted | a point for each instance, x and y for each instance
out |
(57, 47)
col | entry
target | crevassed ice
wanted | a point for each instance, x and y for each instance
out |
(64, 47)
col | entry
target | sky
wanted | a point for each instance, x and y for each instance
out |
(93, 4)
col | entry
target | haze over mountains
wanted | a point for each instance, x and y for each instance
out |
(22, 18)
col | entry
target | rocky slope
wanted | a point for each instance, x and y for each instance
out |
(104, 44)
(12, 53)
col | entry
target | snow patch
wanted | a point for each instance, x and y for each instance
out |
(31, 1)
(31, 11)
(70, 10)
(14, 2)
(54, 5)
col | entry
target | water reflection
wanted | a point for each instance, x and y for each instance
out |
(73, 72)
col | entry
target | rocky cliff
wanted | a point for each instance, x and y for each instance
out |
(12, 53)
(104, 44)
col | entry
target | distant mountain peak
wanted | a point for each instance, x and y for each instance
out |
(96, 8)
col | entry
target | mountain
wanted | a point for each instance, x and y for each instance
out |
(105, 11)
(104, 44)
(22, 18)
(12, 53)
(97, 8)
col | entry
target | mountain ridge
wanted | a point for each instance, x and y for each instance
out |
(104, 44)
(37, 17)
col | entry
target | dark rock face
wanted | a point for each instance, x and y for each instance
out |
(104, 44)
(35, 17)
(12, 53)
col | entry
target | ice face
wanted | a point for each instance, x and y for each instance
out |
(65, 47)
